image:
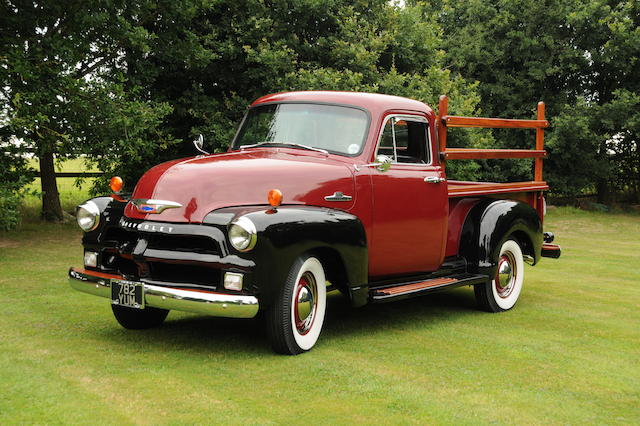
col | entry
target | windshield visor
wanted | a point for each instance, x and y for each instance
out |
(337, 129)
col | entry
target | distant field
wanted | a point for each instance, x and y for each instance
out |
(567, 354)
(70, 194)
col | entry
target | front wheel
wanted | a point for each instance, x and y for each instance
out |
(138, 319)
(502, 291)
(295, 320)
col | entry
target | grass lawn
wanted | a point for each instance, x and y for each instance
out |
(569, 353)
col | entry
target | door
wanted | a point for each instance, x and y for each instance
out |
(410, 201)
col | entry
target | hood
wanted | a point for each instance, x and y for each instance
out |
(203, 184)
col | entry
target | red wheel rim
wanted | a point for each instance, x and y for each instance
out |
(506, 274)
(305, 303)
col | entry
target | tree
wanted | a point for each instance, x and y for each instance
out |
(123, 81)
(59, 78)
(573, 54)
(209, 60)
(621, 119)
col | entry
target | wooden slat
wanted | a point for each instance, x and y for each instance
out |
(493, 123)
(416, 286)
(538, 154)
(471, 154)
(462, 189)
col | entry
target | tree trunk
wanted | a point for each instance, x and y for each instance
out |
(604, 193)
(51, 208)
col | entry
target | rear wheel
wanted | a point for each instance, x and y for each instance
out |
(502, 291)
(294, 321)
(138, 319)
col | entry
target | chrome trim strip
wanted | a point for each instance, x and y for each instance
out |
(338, 196)
(214, 304)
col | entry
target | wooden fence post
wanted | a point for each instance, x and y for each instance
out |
(443, 110)
(539, 144)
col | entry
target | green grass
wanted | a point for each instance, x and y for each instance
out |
(569, 353)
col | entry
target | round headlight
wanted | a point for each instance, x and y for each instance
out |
(242, 234)
(88, 216)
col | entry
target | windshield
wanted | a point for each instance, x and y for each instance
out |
(336, 129)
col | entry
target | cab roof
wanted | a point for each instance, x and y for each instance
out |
(373, 102)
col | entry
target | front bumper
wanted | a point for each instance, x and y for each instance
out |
(197, 301)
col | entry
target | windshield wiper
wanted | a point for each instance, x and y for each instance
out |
(253, 145)
(310, 148)
(299, 145)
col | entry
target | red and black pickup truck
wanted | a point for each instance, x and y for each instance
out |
(319, 191)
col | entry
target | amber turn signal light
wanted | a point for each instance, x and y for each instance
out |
(275, 197)
(116, 184)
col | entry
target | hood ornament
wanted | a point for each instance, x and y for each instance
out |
(152, 206)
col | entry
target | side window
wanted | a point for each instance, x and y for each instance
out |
(405, 141)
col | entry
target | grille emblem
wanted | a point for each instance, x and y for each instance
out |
(151, 206)
(145, 226)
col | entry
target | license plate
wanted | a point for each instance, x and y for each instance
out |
(127, 293)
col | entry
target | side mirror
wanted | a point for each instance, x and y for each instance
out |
(384, 162)
(199, 144)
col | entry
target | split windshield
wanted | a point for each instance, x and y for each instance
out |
(331, 128)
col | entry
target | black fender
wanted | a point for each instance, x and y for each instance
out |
(489, 224)
(283, 234)
(110, 213)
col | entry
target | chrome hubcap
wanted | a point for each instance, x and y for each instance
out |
(505, 277)
(305, 303)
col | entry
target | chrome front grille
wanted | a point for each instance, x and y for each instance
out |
(171, 254)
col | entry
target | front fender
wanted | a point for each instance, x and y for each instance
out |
(110, 212)
(287, 232)
(489, 224)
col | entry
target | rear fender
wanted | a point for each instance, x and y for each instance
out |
(489, 224)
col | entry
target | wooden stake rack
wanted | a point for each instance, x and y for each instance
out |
(468, 188)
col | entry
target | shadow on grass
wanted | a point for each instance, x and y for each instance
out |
(202, 334)
(430, 310)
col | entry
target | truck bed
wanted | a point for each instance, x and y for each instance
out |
(464, 188)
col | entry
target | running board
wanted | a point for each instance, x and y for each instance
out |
(418, 288)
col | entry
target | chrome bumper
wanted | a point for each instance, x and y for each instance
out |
(208, 303)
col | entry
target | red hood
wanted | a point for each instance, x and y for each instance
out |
(203, 184)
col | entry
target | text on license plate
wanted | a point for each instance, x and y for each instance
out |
(127, 293)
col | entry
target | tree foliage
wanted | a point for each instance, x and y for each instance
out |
(124, 82)
(580, 56)
(61, 84)
(209, 60)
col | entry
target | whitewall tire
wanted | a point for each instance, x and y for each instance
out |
(503, 290)
(295, 320)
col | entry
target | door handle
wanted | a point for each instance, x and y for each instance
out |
(434, 179)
